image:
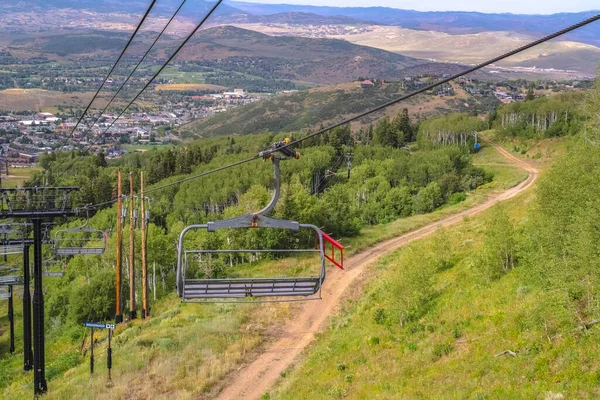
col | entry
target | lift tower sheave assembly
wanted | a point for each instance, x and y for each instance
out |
(37, 204)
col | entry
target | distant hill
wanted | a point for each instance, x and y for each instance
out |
(239, 12)
(321, 61)
(448, 22)
(240, 51)
(310, 109)
(292, 17)
(476, 48)
(67, 44)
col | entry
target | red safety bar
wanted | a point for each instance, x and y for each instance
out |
(331, 255)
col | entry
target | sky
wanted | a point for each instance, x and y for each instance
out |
(497, 6)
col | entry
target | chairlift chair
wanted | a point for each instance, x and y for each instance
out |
(68, 243)
(10, 280)
(51, 272)
(8, 249)
(308, 287)
(8, 269)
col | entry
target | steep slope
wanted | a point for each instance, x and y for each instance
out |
(451, 318)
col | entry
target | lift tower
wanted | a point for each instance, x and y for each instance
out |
(37, 204)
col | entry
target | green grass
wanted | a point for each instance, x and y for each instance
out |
(448, 350)
(186, 350)
(17, 176)
(130, 148)
(172, 73)
(539, 152)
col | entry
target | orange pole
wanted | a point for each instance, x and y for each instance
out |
(132, 313)
(145, 312)
(119, 307)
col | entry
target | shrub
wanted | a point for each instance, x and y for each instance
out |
(499, 253)
(441, 350)
(458, 198)
(428, 199)
(95, 300)
(379, 316)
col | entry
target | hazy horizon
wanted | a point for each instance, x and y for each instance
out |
(503, 6)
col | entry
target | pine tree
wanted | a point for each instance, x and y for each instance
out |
(385, 134)
(405, 126)
(530, 94)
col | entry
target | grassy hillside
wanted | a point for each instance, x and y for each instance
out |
(310, 108)
(185, 350)
(436, 319)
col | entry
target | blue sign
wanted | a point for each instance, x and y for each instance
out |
(98, 325)
(477, 146)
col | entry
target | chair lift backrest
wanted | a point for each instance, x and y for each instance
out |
(53, 274)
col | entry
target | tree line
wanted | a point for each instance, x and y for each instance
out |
(559, 115)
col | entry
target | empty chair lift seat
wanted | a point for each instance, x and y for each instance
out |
(197, 289)
(81, 240)
(256, 287)
(191, 289)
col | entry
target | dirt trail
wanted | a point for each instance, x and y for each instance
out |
(259, 376)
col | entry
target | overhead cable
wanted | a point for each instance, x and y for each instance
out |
(388, 104)
(148, 83)
(111, 71)
(136, 67)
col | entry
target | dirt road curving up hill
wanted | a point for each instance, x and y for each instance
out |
(258, 377)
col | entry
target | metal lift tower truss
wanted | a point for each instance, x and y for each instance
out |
(18, 234)
(37, 204)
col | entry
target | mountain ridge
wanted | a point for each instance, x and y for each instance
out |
(444, 21)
